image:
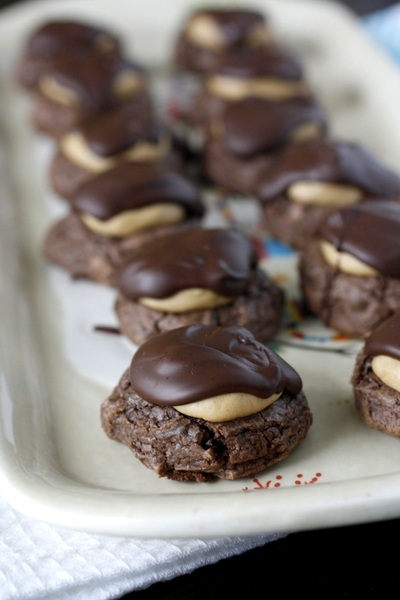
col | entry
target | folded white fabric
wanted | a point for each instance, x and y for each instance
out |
(38, 561)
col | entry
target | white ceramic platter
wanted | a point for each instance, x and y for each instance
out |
(56, 464)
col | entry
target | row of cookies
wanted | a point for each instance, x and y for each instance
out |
(146, 217)
(330, 199)
(208, 276)
(250, 96)
(262, 124)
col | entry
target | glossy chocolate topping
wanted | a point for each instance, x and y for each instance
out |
(385, 339)
(369, 231)
(254, 125)
(220, 260)
(234, 24)
(57, 37)
(202, 361)
(118, 130)
(324, 160)
(268, 61)
(128, 186)
(91, 77)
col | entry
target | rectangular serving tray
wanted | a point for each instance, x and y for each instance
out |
(56, 463)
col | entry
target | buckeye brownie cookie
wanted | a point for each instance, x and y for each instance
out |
(56, 40)
(101, 142)
(248, 133)
(117, 211)
(209, 33)
(376, 378)
(75, 88)
(304, 183)
(207, 276)
(350, 277)
(201, 402)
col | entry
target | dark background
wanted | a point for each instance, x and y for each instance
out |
(353, 562)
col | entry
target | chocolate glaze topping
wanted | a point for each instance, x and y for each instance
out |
(369, 231)
(234, 24)
(254, 125)
(128, 186)
(57, 37)
(119, 129)
(324, 160)
(385, 339)
(220, 260)
(201, 361)
(268, 61)
(91, 77)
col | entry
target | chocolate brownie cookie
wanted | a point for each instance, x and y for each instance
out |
(247, 134)
(119, 135)
(304, 183)
(200, 276)
(209, 33)
(57, 40)
(204, 402)
(117, 211)
(78, 87)
(376, 378)
(350, 277)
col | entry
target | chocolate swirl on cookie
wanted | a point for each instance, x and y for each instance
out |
(128, 186)
(385, 339)
(58, 37)
(371, 232)
(192, 363)
(117, 130)
(259, 62)
(255, 125)
(220, 260)
(325, 160)
(91, 78)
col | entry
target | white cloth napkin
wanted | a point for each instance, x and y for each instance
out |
(38, 561)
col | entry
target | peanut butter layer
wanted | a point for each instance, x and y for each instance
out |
(129, 222)
(345, 262)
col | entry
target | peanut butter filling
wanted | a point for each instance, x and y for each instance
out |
(234, 89)
(76, 149)
(204, 31)
(324, 193)
(226, 407)
(126, 85)
(187, 300)
(138, 219)
(345, 262)
(306, 132)
(388, 370)
(58, 93)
